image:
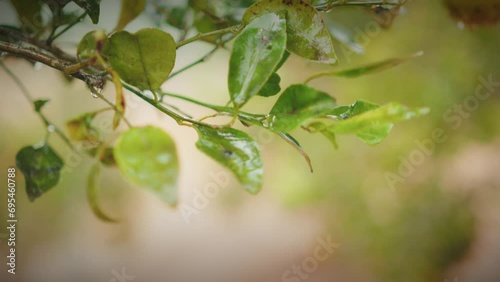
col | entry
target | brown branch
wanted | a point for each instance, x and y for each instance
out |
(33, 54)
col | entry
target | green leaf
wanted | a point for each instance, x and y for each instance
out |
(320, 127)
(295, 144)
(80, 128)
(272, 86)
(92, 194)
(27, 12)
(366, 69)
(90, 44)
(372, 123)
(39, 104)
(92, 7)
(130, 9)
(297, 104)
(144, 59)
(148, 157)
(257, 51)
(41, 168)
(236, 151)
(307, 37)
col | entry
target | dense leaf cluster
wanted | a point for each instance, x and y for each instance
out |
(263, 36)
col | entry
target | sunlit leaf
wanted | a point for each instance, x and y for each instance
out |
(297, 104)
(367, 69)
(130, 9)
(92, 7)
(92, 194)
(256, 53)
(148, 157)
(144, 59)
(307, 37)
(41, 168)
(80, 128)
(236, 151)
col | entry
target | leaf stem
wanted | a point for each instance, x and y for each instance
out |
(54, 37)
(232, 29)
(27, 95)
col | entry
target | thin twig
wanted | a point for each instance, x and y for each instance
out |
(54, 37)
(27, 95)
(232, 29)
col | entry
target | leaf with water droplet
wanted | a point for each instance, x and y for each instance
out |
(257, 51)
(235, 150)
(307, 35)
(41, 168)
(144, 59)
(297, 104)
(147, 156)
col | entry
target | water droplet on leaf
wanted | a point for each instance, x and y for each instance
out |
(51, 128)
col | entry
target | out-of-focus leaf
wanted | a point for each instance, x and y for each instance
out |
(147, 156)
(256, 53)
(107, 158)
(91, 44)
(367, 69)
(320, 127)
(297, 104)
(370, 122)
(236, 151)
(27, 12)
(272, 86)
(307, 35)
(80, 128)
(41, 168)
(39, 104)
(475, 13)
(130, 9)
(345, 37)
(144, 59)
(295, 144)
(92, 194)
(92, 7)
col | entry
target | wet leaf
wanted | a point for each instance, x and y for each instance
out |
(257, 51)
(307, 35)
(92, 194)
(80, 128)
(372, 123)
(297, 104)
(147, 156)
(41, 168)
(92, 7)
(130, 9)
(366, 69)
(236, 151)
(144, 59)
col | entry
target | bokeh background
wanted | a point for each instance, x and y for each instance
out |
(440, 221)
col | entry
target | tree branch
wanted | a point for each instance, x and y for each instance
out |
(92, 81)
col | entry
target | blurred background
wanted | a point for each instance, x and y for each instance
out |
(414, 208)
